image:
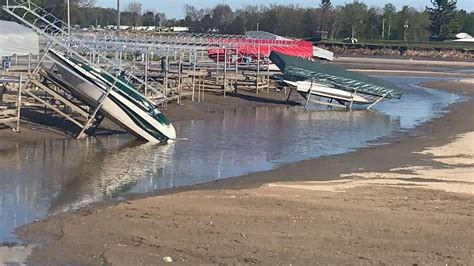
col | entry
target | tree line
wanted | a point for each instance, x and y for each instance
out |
(440, 20)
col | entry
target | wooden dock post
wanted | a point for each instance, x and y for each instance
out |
(224, 85)
(18, 104)
(146, 73)
(194, 73)
(29, 63)
(217, 61)
(258, 67)
(180, 66)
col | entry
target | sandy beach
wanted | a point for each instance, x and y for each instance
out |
(409, 201)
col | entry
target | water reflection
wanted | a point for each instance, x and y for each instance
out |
(56, 176)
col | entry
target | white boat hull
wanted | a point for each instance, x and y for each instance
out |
(326, 91)
(113, 106)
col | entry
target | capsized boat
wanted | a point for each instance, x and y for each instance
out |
(333, 82)
(124, 105)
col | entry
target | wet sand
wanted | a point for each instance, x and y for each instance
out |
(409, 201)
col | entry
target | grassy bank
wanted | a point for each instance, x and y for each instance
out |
(399, 43)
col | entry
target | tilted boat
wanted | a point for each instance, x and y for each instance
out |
(304, 87)
(333, 82)
(123, 105)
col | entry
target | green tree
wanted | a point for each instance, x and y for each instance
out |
(327, 15)
(353, 18)
(149, 18)
(326, 4)
(309, 21)
(372, 23)
(389, 13)
(222, 15)
(441, 15)
(466, 20)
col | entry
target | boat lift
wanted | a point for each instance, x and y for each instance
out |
(44, 26)
(345, 104)
(53, 30)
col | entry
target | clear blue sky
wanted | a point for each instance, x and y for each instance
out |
(174, 8)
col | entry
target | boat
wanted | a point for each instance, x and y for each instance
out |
(323, 90)
(123, 104)
(333, 82)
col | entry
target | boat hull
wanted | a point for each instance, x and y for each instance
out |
(116, 107)
(328, 92)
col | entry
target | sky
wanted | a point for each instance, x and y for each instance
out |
(174, 8)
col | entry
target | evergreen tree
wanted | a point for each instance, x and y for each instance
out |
(441, 15)
(326, 5)
(326, 17)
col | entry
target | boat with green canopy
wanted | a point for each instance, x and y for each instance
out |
(333, 82)
(117, 99)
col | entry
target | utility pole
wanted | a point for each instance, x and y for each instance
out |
(118, 17)
(68, 18)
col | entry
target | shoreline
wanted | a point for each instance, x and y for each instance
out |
(295, 183)
(398, 153)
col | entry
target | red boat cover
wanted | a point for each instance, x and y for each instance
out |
(253, 47)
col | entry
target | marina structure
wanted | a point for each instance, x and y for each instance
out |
(163, 68)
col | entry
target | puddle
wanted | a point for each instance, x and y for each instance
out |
(55, 176)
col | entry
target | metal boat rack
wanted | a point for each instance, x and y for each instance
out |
(49, 28)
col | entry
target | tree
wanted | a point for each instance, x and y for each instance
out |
(309, 22)
(389, 13)
(149, 18)
(222, 16)
(135, 10)
(441, 15)
(373, 23)
(160, 18)
(354, 14)
(251, 15)
(466, 20)
(326, 4)
(327, 15)
(193, 13)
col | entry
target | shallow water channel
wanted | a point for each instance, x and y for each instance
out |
(37, 180)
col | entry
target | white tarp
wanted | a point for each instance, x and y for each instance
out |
(17, 39)
(323, 53)
(464, 37)
(264, 35)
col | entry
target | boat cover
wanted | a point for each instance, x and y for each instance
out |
(263, 47)
(264, 35)
(17, 39)
(341, 78)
